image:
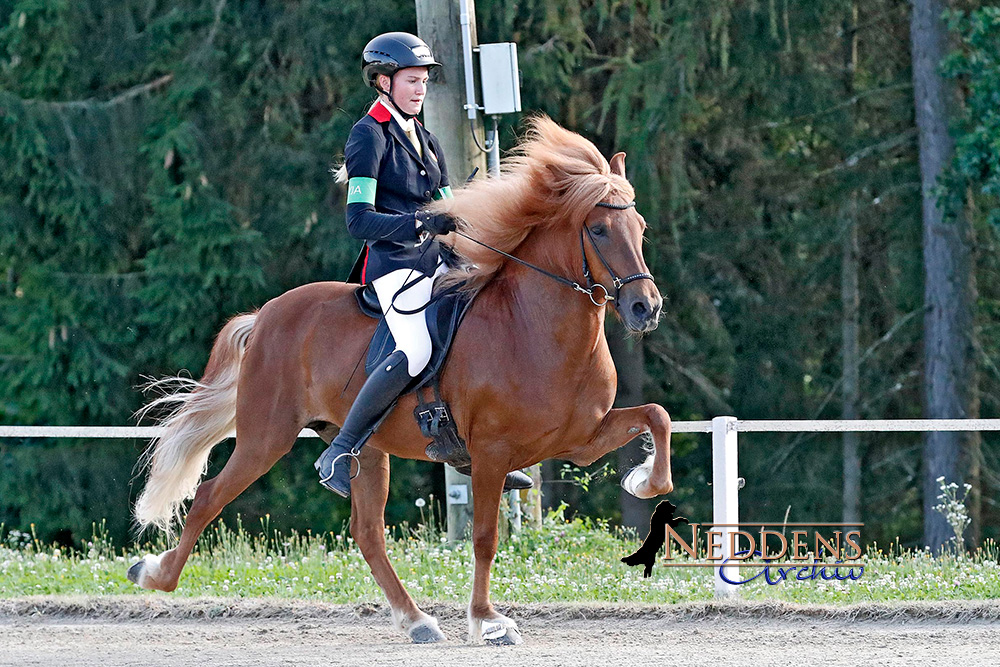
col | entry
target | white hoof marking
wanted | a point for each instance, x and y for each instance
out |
(499, 631)
(423, 630)
(493, 630)
(150, 570)
(636, 479)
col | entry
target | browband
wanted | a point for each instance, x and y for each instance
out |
(618, 207)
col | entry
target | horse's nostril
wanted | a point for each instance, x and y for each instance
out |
(639, 309)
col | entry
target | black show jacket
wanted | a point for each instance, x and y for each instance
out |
(387, 183)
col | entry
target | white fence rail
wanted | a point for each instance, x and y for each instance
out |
(726, 481)
(725, 441)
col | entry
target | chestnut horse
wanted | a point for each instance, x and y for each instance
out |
(529, 376)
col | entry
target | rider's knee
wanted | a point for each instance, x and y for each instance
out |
(417, 358)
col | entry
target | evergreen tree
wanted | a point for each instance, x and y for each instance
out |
(165, 165)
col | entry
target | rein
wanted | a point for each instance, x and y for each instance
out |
(591, 284)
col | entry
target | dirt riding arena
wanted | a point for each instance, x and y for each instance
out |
(161, 631)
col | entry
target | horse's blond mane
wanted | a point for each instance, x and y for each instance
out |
(555, 177)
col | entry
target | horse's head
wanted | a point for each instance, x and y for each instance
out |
(612, 234)
(556, 191)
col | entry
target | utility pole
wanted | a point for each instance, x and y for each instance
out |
(439, 23)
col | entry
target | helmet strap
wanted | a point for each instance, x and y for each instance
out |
(392, 101)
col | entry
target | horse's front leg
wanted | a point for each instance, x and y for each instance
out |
(369, 491)
(486, 623)
(652, 477)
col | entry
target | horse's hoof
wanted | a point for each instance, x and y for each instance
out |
(510, 638)
(635, 482)
(135, 572)
(145, 572)
(426, 633)
(499, 634)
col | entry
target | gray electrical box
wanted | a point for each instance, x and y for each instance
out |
(499, 77)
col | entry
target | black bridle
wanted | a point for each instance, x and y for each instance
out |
(592, 285)
(619, 283)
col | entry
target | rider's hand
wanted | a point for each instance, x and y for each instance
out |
(436, 224)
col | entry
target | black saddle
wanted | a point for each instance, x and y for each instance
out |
(444, 313)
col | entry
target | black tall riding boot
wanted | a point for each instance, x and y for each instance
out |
(381, 388)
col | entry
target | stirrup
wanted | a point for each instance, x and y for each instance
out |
(325, 481)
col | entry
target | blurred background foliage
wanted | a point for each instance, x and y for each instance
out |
(164, 165)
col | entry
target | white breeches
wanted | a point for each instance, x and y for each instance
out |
(409, 331)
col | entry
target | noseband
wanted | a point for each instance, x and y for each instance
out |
(592, 285)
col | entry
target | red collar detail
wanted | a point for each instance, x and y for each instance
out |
(380, 113)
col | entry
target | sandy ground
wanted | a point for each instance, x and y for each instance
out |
(210, 632)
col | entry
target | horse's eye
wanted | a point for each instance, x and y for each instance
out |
(598, 230)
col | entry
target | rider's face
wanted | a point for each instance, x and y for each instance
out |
(409, 86)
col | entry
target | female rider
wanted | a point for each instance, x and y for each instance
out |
(394, 168)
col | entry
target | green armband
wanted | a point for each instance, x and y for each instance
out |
(361, 190)
(444, 193)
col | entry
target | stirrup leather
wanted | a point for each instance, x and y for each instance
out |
(437, 424)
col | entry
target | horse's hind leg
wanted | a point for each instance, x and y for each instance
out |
(258, 447)
(369, 492)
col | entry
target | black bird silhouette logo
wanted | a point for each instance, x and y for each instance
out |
(646, 554)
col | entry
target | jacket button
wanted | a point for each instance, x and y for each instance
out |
(427, 193)
(423, 173)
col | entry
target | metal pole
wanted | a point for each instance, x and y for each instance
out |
(493, 141)
(725, 497)
(535, 496)
(467, 19)
(458, 492)
(515, 511)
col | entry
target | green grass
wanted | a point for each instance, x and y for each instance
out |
(565, 561)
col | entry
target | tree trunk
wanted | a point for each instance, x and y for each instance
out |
(850, 354)
(949, 374)
(851, 301)
(629, 361)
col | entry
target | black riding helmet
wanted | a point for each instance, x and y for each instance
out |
(392, 51)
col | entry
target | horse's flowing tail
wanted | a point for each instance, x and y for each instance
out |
(201, 414)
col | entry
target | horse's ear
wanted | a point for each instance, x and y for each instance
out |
(617, 163)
